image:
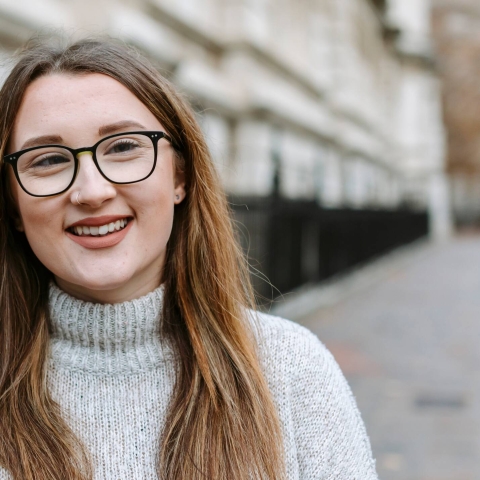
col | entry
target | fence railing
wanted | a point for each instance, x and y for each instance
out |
(291, 243)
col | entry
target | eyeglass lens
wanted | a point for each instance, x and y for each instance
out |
(122, 159)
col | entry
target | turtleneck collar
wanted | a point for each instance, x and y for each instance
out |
(122, 338)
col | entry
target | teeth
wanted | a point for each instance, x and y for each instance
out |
(101, 230)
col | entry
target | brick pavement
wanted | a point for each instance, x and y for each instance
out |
(410, 348)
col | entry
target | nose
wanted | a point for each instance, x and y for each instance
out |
(90, 187)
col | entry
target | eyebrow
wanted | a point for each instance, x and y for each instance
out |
(102, 131)
(122, 125)
(42, 140)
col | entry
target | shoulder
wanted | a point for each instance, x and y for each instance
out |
(324, 432)
(297, 364)
(287, 344)
(279, 330)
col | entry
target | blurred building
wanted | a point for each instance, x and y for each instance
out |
(333, 103)
(456, 27)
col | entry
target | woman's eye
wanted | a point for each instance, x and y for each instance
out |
(122, 147)
(49, 161)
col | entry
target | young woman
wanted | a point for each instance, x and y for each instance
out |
(129, 349)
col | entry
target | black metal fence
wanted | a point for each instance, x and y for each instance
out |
(291, 243)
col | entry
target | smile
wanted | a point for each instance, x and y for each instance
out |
(100, 230)
(100, 236)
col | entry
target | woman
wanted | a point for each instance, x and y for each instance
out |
(128, 350)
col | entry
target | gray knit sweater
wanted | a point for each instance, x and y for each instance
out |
(113, 377)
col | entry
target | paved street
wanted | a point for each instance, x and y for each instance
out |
(409, 345)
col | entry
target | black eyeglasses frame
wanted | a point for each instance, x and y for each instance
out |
(154, 136)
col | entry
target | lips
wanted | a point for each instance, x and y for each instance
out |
(99, 232)
(97, 221)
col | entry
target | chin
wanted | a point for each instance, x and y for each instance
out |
(100, 283)
(109, 282)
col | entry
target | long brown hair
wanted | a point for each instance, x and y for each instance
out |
(222, 422)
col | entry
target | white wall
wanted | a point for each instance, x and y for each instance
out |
(355, 122)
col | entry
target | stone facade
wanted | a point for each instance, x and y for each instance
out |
(333, 100)
(456, 24)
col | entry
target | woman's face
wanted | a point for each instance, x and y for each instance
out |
(77, 111)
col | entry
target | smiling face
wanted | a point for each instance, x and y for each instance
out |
(124, 263)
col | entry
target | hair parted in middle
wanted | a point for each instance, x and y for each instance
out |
(222, 421)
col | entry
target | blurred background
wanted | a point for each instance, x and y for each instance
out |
(347, 136)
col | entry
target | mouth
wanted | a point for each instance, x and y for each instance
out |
(100, 230)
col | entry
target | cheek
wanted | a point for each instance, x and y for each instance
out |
(19, 202)
(39, 218)
(155, 198)
(42, 225)
(155, 212)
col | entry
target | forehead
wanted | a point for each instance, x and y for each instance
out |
(76, 106)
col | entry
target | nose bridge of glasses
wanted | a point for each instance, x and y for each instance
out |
(89, 167)
(83, 152)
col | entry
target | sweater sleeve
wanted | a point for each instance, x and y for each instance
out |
(331, 438)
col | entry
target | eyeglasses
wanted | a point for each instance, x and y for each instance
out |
(121, 158)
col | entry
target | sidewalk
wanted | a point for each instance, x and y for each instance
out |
(406, 333)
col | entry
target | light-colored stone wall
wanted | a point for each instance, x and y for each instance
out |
(319, 91)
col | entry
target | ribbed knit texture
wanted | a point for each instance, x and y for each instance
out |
(113, 377)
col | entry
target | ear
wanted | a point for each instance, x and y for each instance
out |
(179, 191)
